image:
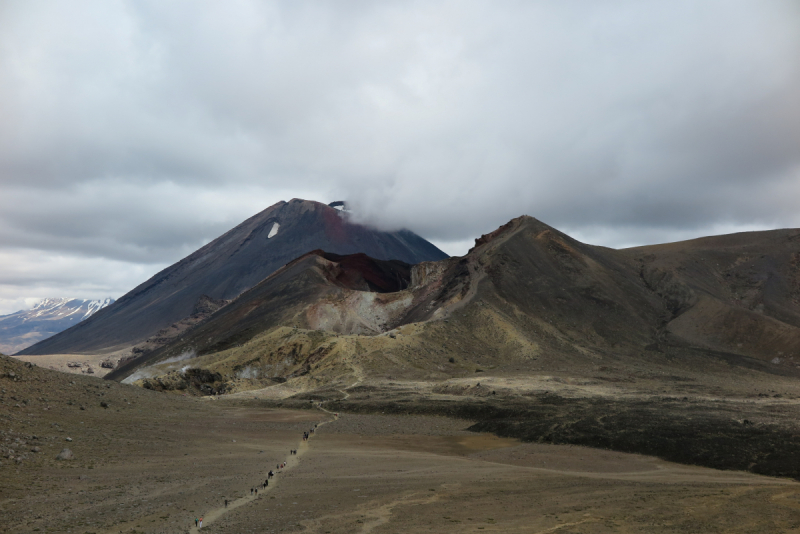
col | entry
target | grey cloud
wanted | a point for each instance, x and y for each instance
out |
(136, 131)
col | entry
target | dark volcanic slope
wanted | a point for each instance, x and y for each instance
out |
(229, 265)
(282, 299)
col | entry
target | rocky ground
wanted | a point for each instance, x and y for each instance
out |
(150, 462)
(139, 461)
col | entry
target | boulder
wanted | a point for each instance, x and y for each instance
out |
(65, 454)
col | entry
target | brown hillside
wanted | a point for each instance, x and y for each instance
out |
(736, 293)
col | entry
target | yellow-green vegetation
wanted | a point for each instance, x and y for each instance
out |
(484, 339)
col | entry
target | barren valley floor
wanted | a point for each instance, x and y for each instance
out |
(157, 463)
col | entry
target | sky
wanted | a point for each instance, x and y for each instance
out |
(133, 132)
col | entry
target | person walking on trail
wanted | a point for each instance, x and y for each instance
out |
(201, 522)
(256, 492)
(251, 491)
(226, 503)
(195, 522)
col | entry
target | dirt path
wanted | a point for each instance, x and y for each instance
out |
(292, 461)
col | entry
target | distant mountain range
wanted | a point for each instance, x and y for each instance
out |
(176, 298)
(22, 329)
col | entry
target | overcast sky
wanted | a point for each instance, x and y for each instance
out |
(131, 133)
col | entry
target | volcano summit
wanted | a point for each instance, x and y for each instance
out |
(230, 265)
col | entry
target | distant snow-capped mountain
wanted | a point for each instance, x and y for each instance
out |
(22, 329)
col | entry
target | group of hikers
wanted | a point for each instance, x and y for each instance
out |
(198, 522)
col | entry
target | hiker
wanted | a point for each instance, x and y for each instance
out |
(195, 521)
(251, 491)
(226, 503)
(256, 492)
(201, 522)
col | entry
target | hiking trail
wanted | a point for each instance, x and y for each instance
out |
(294, 459)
